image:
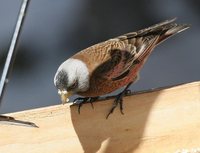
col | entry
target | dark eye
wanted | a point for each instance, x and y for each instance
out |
(74, 85)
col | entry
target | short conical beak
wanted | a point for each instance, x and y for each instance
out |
(64, 95)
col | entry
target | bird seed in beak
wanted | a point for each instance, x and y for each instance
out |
(64, 95)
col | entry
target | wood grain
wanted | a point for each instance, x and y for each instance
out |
(161, 121)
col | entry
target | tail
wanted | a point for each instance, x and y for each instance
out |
(141, 43)
(170, 30)
(164, 30)
(146, 39)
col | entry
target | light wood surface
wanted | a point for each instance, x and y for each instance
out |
(162, 121)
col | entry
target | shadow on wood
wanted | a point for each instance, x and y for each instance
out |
(121, 133)
(126, 133)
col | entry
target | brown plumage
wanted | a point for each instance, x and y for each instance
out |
(122, 56)
(116, 62)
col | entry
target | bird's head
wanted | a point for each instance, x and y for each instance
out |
(71, 77)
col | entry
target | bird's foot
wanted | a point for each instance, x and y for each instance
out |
(119, 100)
(80, 101)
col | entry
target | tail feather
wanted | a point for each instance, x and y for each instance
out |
(146, 39)
(172, 30)
(156, 27)
(146, 31)
(164, 29)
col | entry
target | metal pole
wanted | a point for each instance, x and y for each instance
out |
(12, 50)
(9, 64)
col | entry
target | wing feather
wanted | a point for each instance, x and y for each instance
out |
(113, 59)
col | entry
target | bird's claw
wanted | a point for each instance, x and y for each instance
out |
(118, 100)
(80, 101)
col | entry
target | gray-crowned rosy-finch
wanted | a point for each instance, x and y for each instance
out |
(112, 64)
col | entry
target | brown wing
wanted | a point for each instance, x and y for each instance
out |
(122, 57)
(114, 58)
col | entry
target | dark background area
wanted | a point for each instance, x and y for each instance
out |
(55, 30)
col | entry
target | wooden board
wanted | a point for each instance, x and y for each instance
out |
(162, 121)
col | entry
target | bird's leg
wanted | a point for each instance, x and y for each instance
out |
(81, 100)
(119, 100)
(93, 99)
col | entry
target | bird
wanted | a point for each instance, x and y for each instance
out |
(112, 64)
